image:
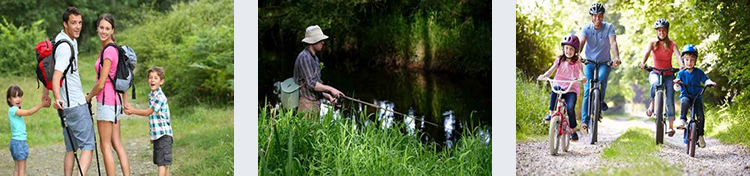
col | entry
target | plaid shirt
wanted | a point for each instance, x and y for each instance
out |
(307, 74)
(159, 120)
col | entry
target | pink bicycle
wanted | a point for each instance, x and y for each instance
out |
(559, 130)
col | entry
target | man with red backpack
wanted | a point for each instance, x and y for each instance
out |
(72, 102)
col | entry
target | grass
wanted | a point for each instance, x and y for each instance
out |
(729, 123)
(635, 149)
(293, 145)
(204, 134)
(532, 103)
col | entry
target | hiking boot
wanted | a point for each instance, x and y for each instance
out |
(701, 142)
(574, 137)
(547, 119)
(604, 106)
(679, 124)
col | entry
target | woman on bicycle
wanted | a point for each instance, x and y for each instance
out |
(693, 77)
(568, 68)
(597, 40)
(663, 50)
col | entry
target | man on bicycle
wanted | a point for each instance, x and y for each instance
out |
(598, 39)
(663, 49)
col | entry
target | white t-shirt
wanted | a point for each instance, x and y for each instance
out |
(72, 80)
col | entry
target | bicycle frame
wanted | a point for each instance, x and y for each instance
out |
(660, 102)
(693, 120)
(594, 107)
(560, 109)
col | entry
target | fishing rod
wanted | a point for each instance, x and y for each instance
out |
(402, 114)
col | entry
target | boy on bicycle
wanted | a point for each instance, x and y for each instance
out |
(692, 77)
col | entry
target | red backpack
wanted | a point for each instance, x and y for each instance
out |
(45, 56)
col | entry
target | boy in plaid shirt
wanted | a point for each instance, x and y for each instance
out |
(158, 117)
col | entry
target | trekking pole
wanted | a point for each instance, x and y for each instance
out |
(96, 151)
(402, 114)
(72, 145)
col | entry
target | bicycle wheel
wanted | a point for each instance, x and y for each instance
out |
(693, 139)
(554, 140)
(594, 116)
(658, 111)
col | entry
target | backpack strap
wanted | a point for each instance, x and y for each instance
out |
(111, 80)
(70, 64)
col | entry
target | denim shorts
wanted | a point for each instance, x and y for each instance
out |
(107, 112)
(19, 150)
(79, 122)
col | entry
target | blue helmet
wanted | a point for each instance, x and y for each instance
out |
(689, 48)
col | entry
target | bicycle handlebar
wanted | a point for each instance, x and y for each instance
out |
(586, 61)
(562, 81)
(673, 70)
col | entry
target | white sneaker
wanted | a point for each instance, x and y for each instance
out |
(679, 124)
(701, 142)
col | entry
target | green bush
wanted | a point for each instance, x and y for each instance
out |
(194, 44)
(17, 47)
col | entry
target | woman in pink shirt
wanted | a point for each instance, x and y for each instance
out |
(568, 68)
(663, 49)
(108, 107)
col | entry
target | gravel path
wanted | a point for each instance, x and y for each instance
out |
(48, 160)
(532, 158)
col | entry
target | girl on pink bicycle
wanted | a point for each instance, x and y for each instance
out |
(568, 68)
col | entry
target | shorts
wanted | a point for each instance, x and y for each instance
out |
(78, 121)
(163, 151)
(19, 150)
(107, 112)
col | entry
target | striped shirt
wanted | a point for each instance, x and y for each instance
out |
(159, 120)
(307, 75)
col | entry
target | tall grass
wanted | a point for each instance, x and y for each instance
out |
(532, 102)
(289, 144)
(729, 122)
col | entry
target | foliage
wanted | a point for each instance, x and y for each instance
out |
(17, 48)
(441, 35)
(127, 12)
(195, 46)
(290, 144)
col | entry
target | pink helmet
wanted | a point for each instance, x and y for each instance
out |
(571, 40)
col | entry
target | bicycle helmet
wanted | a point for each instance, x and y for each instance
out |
(661, 23)
(689, 48)
(596, 8)
(571, 40)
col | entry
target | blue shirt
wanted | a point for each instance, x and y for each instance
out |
(696, 78)
(597, 42)
(17, 125)
(159, 120)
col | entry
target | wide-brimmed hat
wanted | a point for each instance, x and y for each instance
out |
(314, 34)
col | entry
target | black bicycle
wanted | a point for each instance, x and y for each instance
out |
(691, 130)
(595, 99)
(659, 103)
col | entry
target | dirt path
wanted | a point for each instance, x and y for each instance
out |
(48, 160)
(533, 158)
(717, 158)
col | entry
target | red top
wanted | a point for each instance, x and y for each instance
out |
(663, 57)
